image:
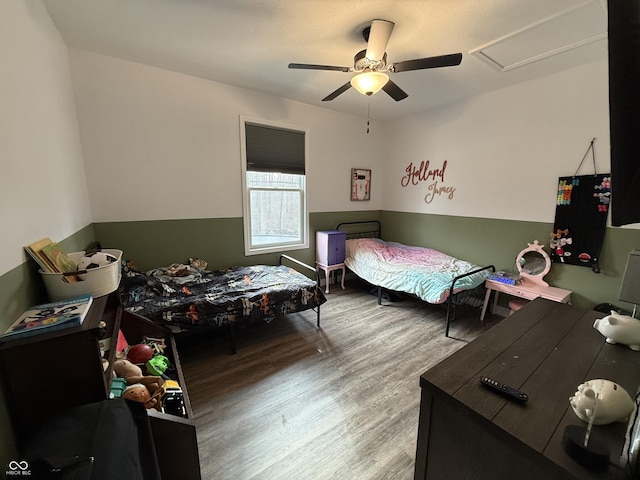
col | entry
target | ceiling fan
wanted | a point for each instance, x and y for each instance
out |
(372, 67)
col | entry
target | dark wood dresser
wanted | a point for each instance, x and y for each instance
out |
(546, 350)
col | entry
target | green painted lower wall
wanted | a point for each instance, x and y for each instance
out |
(220, 242)
(480, 240)
(497, 242)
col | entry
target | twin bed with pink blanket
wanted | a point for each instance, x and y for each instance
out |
(428, 274)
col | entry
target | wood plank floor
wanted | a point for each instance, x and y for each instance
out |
(340, 402)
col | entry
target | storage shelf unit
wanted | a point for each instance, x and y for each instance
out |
(51, 372)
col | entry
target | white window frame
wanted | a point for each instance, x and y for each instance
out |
(249, 248)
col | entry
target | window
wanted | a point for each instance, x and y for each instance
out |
(274, 187)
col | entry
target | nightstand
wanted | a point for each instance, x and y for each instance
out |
(330, 252)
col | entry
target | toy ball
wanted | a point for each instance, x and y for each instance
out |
(157, 365)
(95, 260)
(605, 400)
(620, 329)
(140, 353)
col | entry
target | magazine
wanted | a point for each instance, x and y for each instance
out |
(49, 317)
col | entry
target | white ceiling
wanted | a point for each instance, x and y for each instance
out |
(249, 43)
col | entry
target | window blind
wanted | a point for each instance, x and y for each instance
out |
(272, 149)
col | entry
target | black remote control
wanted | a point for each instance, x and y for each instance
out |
(509, 392)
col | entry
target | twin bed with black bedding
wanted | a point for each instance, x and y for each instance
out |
(188, 299)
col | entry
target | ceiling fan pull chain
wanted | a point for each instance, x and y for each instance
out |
(368, 113)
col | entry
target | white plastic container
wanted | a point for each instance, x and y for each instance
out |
(95, 282)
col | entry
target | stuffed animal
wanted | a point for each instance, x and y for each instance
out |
(139, 393)
(620, 329)
(198, 263)
(142, 388)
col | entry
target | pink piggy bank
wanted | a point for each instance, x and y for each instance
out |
(620, 329)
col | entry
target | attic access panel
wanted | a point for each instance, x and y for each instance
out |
(559, 33)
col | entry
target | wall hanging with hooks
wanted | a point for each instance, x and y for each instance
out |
(582, 207)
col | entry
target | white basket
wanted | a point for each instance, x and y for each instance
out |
(96, 282)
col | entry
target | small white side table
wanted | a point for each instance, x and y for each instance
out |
(327, 273)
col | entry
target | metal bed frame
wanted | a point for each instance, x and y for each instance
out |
(232, 326)
(317, 279)
(373, 229)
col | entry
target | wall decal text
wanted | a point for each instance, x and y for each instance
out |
(415, 175)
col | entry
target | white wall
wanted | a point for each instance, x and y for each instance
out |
(43, 190)
(505, 149)
(162, 145)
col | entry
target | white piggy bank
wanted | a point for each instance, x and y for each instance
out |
(620, 329)
(613, 402)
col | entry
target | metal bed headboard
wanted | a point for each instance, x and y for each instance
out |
(364, 229)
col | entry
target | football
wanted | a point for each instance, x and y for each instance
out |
(95, 260)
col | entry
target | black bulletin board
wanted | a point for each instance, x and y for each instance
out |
(582, 207)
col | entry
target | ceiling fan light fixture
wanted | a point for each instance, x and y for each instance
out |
(369, 83)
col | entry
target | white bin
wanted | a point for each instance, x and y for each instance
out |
(96, 282)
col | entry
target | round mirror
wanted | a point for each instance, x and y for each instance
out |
(533, 263)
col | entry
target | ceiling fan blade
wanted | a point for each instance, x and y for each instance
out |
(394, 91)
(378, 39)
(337, 92)
(429, 62)
(306, 66)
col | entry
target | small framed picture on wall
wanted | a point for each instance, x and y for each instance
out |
(360, 184)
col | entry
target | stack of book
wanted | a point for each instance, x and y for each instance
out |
(49, 317)
(51, 258)
(507, 278)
